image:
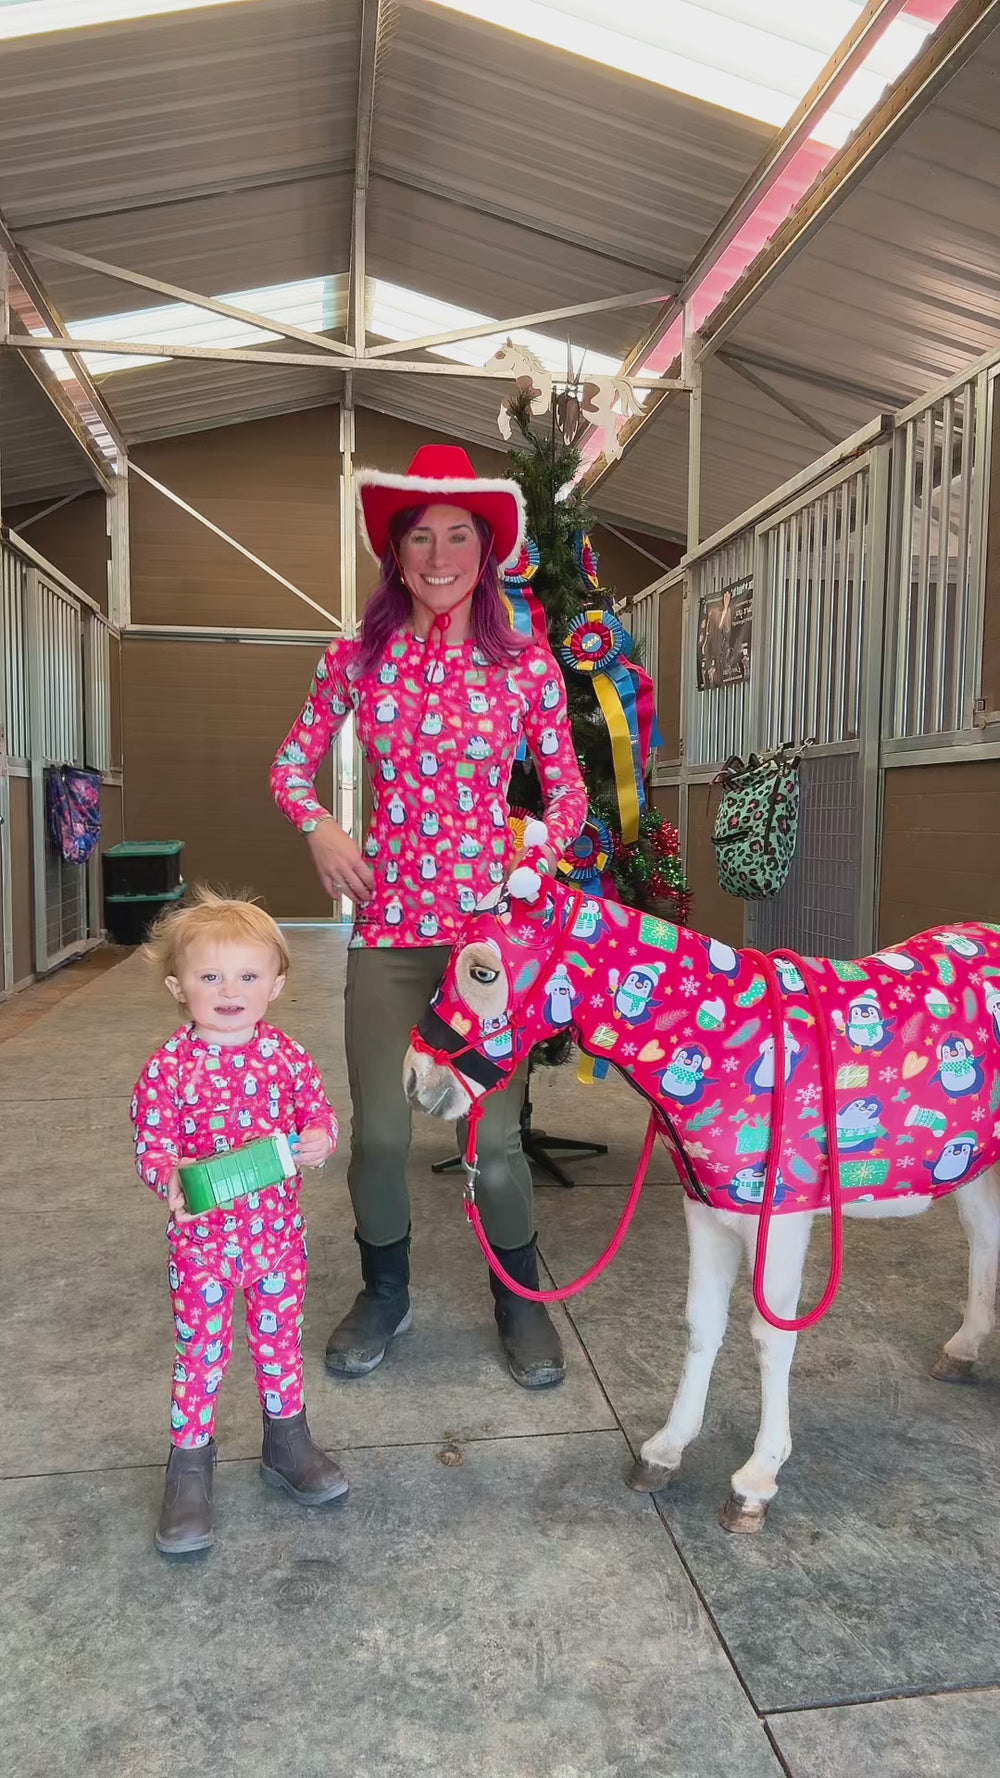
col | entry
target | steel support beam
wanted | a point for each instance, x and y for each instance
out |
(804, 417)
(120, 552)
(691, 368)
(373, 21)
(486, 329)
(347, 753)
(68, 256)
(248, 355)
(942, 55)
(55, 391)
(356, 281)
(819, 379)
(47, 312)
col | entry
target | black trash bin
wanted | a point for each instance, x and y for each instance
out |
(128, 918)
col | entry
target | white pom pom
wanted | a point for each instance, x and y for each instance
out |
(524, 883)
(535, 834)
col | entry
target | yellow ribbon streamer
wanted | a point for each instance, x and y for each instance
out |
(621, 754)
(585, 1071)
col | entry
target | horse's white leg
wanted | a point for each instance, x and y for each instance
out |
(714, 1250)
(755, 1485)
(979, 1208)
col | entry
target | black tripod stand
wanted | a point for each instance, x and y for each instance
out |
(538, 1146)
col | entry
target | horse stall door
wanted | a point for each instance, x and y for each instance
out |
(816, 682)
(816, 912)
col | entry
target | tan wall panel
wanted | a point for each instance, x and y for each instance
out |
(202, 723)
(112, 816)
(940, 847)
(712, 912)
(665, 799)
(625, 569)
(20, 851)
(74, 539)
(274, 486)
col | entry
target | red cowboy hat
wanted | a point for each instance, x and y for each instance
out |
(441, 474)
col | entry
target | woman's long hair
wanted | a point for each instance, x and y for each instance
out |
(392, 602)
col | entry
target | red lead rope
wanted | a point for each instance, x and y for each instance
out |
(472, 1212)
(828, 1083)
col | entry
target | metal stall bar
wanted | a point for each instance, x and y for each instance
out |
(823, 725)
(985, 394)
(960, 632)
(941, 632)
(923, 569)
(935, 627)
(871, 642)
(904, 583)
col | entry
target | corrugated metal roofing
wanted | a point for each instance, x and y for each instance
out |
(638, 172)
(506, 177)
(152, 110)
(300, 228)
(189, 394)
(450, 251)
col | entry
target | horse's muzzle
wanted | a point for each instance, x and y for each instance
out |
(442, 1073)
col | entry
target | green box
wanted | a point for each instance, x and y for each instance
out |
(217, 1183)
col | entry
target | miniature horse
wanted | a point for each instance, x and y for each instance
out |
(909, 1075)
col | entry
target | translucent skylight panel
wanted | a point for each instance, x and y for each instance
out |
(758, 59)
(399, 314)
(317, 305)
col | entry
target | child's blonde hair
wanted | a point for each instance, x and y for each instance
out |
(210, 915)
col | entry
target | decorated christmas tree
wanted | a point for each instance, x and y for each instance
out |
(627, 850)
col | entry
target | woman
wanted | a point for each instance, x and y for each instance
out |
(443, 691)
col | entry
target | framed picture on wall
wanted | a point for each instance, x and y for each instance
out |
(725, 620)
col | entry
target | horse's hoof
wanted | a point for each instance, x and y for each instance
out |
(649, 1478)
(946, 1369)
(743, 1515)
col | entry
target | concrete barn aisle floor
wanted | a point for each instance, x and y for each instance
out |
(490, 1600)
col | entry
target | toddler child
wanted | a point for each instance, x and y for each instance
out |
(225, 1079)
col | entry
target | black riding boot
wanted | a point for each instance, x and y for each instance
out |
(186, 1514)
(380, 1312)
(532, 1346)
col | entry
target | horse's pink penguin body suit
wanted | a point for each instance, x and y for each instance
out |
(914, 1034)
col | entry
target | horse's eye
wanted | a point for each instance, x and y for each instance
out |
(485, 977)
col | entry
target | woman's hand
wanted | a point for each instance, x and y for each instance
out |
(340, 864)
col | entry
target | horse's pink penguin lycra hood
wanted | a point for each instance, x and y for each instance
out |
(914, 1034)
